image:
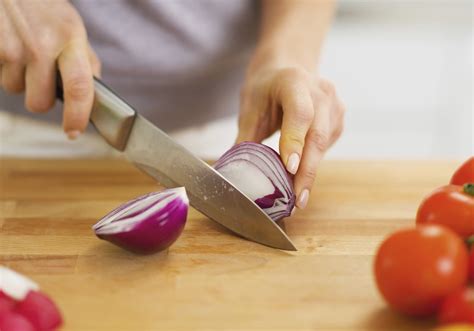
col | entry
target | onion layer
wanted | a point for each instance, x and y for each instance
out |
(147, 224)
(258, 172)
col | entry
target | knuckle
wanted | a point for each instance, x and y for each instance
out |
(78, 88)
(72, 25)
(293, 74)
(327, 86)
(293, 140)
(303, 114)
(43, 48)
(11, 55)
(13, 86)
(310, 174)
(320, 139)
(338, 132)
(39, 105)
(320, 97)
(342, 109)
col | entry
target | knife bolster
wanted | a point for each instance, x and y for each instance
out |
(112, 117)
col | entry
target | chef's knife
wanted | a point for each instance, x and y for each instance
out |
(155, 153)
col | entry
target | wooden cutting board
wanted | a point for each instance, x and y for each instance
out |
(210, 279)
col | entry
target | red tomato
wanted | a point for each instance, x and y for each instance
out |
(451, 206)
(456, 327)
(465, 173)
(415, 269)
(471, 265)
(458, 307)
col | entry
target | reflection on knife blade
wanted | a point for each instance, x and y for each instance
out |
(172, 165)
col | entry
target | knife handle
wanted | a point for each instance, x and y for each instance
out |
(111, 115)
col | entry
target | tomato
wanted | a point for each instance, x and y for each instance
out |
(456, 327)
(465, 173)
(471, 265)
(451, 206)
(458, 307)
(415, 269)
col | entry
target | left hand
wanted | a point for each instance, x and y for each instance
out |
(307, 110)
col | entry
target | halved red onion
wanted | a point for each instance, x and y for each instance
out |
(258, 172)
(147, 224)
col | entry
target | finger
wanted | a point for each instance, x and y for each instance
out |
(251, 121)
(316, 143)
(1, 69)
(40, 85)
(76, 74)
(248, 122)
(95, 63)
(298, 113)
(13, 77)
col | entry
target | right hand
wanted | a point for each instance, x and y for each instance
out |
(36, 39)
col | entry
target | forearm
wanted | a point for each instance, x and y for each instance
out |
(291, 33)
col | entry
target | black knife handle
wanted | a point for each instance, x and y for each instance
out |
(111, 115)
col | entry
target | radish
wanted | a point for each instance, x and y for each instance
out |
(14, 285)
(15, 322)
(6, 303)
(40, 310)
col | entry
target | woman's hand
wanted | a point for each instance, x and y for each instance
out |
(36, 39)
(307, 110)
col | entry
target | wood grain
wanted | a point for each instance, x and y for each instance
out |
(210, 279)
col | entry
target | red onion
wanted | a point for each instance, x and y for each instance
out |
(258, 172)
(147, 224)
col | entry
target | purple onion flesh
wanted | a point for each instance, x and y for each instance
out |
(259, 173)
(147, 224)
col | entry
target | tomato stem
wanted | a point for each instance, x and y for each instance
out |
(470, 242)
(469, 189)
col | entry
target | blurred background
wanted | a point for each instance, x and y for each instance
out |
(403, 68)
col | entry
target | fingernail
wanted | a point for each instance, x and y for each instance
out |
(73, 134)
(293, 163)
(303, 199)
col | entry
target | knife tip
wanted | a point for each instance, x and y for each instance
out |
(290, 247)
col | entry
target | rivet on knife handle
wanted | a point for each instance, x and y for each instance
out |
(112, 117)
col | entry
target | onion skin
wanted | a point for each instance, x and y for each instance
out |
(157, 231)
(277, 204)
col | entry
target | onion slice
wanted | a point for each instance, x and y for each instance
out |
(147, 224)
(258, 172)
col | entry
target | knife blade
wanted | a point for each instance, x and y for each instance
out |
(158, 155)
